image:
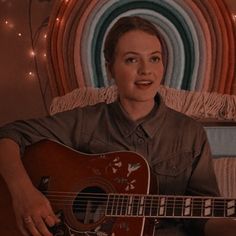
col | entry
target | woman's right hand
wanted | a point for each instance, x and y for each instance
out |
(32, 209)
(33, 212)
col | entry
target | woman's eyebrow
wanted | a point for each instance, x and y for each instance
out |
(156, 52)
(136, 53)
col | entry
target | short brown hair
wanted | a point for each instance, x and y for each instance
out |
(124, 25)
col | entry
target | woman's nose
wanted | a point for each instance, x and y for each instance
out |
(144, 68)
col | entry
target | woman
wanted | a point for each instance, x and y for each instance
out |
(175, 146)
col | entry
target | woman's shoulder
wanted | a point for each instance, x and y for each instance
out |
(183, 120)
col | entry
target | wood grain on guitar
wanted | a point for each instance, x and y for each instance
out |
(103, 194)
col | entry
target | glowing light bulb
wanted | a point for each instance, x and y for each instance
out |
(9, 23)
(45, 36)
(19, 34)
(32, 53)
(234, 17)
(30, 75)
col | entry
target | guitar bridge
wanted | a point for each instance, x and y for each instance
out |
(61, 228)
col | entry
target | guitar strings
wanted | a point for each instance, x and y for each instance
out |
(135, 197)
(219, 204)
(167, 197)
(151, 201)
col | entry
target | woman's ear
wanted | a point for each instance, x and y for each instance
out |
(109, 72)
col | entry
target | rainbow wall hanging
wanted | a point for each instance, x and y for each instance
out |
(199, 36)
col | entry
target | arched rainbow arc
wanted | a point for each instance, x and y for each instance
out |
(199, 35)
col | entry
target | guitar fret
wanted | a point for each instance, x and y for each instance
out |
(187, 207)
(119, 204)
(110, 202)
(135, 206)
(130, 201)
(178, 209)
(169, 205)
(115, 205)
(207, 207)
(219, 208)
(155, 206)
(197, 206)
(141, 206)
(174, 206)
(125, 204)
(162, 206)
(231, 208)
(148, 206)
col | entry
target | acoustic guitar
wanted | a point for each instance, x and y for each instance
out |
(104, 194)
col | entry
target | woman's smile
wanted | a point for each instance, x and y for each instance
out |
(138, 68)
(143, 84)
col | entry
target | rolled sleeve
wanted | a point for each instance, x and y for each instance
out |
(62, 127)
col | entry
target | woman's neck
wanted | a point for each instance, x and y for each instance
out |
(137, 110)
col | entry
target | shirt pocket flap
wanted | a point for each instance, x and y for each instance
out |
(174, 165)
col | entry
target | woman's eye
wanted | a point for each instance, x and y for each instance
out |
(155, 59)
(130, 60)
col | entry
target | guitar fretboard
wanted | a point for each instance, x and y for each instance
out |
(169, 206)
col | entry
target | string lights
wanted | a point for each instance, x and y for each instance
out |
(32, 54)
(11, 26)
(234, 17)
(34, 37)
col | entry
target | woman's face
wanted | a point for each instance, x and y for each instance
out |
(138, 67)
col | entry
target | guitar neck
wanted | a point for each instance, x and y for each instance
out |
(162, 206)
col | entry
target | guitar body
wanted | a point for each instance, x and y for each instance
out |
(66, 176)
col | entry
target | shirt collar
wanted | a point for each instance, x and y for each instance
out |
(150, 124)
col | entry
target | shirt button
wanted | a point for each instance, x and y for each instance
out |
(140, 140)
(174, 169)
(139, 128)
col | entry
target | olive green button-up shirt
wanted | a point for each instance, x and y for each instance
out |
(175, 146)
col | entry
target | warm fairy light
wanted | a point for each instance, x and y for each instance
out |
(234, 17)
(30, 75)
(9, 24)
(57, 19)
(45, 36)
(19, 34)
(44, 55)
(32, 53)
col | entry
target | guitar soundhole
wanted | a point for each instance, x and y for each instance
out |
(89, 205)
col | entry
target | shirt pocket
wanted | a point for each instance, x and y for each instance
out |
(173, 173)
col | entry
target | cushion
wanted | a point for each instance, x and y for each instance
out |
(225, 169)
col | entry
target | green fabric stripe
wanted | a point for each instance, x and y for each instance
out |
(115, 11)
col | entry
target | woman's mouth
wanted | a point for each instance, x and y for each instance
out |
(143, 84)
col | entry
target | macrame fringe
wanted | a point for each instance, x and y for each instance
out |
(199, 105)
(81, 97)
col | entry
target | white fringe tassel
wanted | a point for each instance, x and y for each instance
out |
(200, 105)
